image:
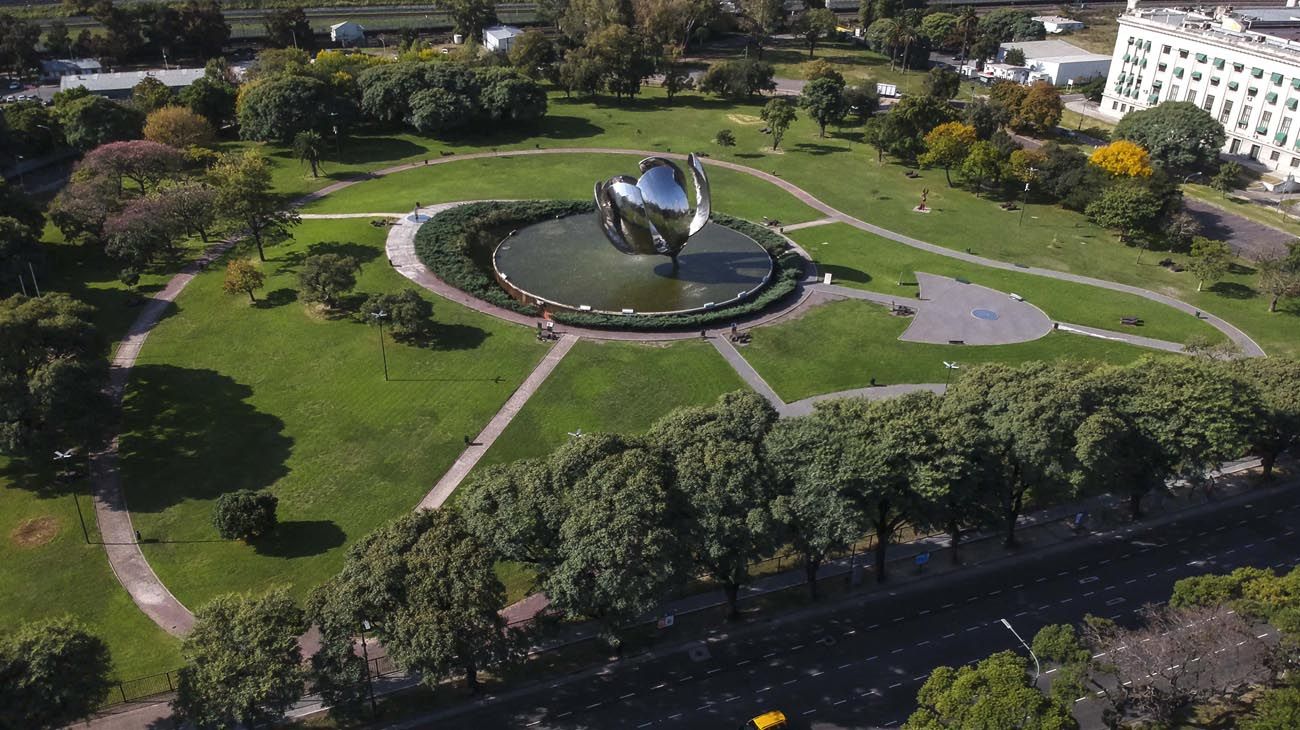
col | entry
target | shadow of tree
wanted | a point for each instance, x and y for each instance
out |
(444, 336)
(278, 298)
(818, 149)
(194, 435)
(300, 539)
(1233, 290)
(844, 273)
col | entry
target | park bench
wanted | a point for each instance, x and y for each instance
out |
(1131, 321)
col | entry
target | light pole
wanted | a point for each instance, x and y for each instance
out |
(1038, 669)
(1024, 204)
(383, 353)
(64, 456)
(370, 683)
(949, 367)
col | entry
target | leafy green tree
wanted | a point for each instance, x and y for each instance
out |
(212, 98)
(1014, 57)
(816, 512)
(947, 146)
(953, 499)
(815, 24)
(762, 18)
(243, 183)
(53, 673)
(941, 30)
(409, 315)
(19, 247)
(91, 121)
(725, 138)
(533, 55)
(1060, 643)
(861, 100)
(983, 163)
(327, 277)
(676, 79)
(1022, 420)
(1161, 420)
(242, 277)
(739, 79)
(179, 127)
(1040, 111)
(1128, 207)
(471, 16)
(625, 58)
(277, 109)
(244, 515)
(309, 147)
(242, 661)
(1226, 178)
(1178, 134)
(779, 115)
(580, 72)
(18, 41)
(715, 454)
(910, 120)
(52, 377)
(338, 675)
(995, 693)
(620, 553)
(824, 101)
(1279, 276)
(150, 95)
(516, 508)
(32, 125)
(513, 99)
(1277, 431)
(879, 134)
(1007, 24)
(941, 83)
(1275, 709)
(287, 27)
(1210, 260)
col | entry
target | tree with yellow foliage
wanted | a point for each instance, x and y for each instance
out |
(1122, 158)
(947, 145)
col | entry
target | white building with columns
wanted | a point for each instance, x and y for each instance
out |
(1243, 67)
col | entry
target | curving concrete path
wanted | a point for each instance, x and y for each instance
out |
(111, 511)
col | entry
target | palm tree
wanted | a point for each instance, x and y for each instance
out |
(309, 146)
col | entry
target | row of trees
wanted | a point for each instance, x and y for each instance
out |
(1172, 660)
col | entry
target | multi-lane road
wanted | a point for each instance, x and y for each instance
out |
(859, 664)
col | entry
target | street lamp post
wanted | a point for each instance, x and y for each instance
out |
(949, 367)
(1038, 669)
(64, 456)
(1024, 203)
(383, 353)
(370, 683)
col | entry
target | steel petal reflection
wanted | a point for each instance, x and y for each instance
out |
(653, 214)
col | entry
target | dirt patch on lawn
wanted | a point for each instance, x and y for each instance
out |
(35, 532)
(746, 119)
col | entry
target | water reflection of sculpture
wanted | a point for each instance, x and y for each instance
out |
(652, 215)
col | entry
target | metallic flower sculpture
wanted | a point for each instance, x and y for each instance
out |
(652, 215)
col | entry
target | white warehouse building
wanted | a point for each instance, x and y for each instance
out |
(1243, 67)
(1058, 62)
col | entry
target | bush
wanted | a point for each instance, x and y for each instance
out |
(457, 246)
(725, 138)
(244, 514)
(409, 315)
(326, 277)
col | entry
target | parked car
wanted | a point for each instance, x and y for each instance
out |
(773, 720)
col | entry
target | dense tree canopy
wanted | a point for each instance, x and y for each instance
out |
(1178, 134)
(279, 108)
(52, 674)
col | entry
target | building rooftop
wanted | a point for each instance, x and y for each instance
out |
(1053, 51)
(336, 26)
(120, 80)
(1055, 19)
(502, 32)
(1262, 30)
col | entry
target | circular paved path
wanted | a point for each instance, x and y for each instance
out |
(111, 511)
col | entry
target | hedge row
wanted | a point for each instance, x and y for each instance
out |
(457, 245)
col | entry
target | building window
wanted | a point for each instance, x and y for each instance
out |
(1295, 162)
(1173, 93)
(1264, 120)
(1182, 53)
(1244, 119)
(1226, 113)
(1165, 49)
(1274, 157)
(1114, 105)
(1208, 104)
(1191, 95)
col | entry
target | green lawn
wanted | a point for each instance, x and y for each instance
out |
(615, 387)
(281, 397)
(48, 570)
(546, 177)
(866, 261)
(844, 344)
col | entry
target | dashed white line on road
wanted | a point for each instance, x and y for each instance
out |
(789, 682)
(948, 636)
(809, 712)
(973, 628)
(845, 666)
(873, 626)
(796, 647)
(1089, 579)
(769, 655)
(948, 605)
(661, 685)
(743, 662)
(594, 705)
(896, 685)
(817, 673)
(926, 611)
(629, 694)
(838, 703)
(1022, 613)
(918, 679)
(1130, 581)
(896, 651)
(1040, 580)
(715, 670)
(761, 691)
(1090, 593)
(1053, 669)
(1018, 586)
(923, 643)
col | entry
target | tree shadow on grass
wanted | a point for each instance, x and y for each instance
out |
(195, 436)
(444, 336)
(360, 252)
(300, 539)
(278, 298)
(818, 149)
(844, 273)
(365, 150)
(1233, 290)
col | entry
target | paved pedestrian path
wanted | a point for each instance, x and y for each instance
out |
(488, 436)
(111, 511)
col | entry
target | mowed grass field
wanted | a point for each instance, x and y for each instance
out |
(285, 397)
(843, 345)
(47, 570)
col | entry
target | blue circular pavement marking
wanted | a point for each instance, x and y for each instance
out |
(988, 314)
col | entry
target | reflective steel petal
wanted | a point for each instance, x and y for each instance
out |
(653, 214)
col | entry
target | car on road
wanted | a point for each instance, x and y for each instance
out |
(773, 720)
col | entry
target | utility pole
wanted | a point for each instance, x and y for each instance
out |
(383, 353)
